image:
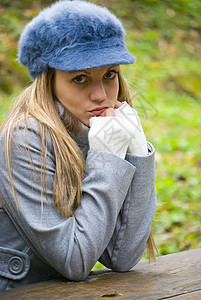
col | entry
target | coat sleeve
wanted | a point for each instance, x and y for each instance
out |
(133, 225)
(70, 245)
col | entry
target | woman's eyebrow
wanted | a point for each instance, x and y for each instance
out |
(115, 66)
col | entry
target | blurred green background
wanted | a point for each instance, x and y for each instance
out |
(165, 38)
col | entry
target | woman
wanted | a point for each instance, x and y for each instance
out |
(77, 175)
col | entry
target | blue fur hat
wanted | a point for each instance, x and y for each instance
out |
(73, 36)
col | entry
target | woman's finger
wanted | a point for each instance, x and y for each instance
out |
(109, 112)
(118, 104)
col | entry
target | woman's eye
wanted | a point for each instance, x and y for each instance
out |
(80, 79)
(111, 74)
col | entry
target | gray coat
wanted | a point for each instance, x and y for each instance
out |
(111, 225)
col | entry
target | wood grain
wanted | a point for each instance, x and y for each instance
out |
(171, 276)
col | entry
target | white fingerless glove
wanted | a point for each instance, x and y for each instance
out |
(107, 134)
(130, 120)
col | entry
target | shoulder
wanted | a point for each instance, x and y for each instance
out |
(27, 134)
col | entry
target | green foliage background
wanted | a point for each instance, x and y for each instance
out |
(165, 38)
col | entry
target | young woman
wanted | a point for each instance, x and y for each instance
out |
(76, 173)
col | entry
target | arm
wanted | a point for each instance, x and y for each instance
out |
(71, 246)
(134, 221)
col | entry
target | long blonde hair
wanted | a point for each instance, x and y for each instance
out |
(37, 101)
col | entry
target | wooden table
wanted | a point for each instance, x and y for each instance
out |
(176, 276)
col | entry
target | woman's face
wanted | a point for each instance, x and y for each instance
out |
(87, 93)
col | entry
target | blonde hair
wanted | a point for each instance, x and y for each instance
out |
(37, 101)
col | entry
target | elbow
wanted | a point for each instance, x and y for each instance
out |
(125, 265)
(76, 276)
(77, 272)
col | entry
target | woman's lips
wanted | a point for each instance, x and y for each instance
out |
(98, 111)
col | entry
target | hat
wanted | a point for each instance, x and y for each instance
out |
(73, 36)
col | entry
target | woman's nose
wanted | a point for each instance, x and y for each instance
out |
(98, 92)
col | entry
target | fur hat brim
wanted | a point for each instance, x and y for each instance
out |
(91, 58)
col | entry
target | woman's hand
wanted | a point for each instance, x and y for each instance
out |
(131, 121)
(118, 104)
(110, 112)
(107, 134)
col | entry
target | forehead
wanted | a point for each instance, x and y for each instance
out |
(92, 70)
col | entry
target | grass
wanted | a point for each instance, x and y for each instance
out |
(170, 114)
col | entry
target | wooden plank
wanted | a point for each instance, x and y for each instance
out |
(189, 296)
(172, 276)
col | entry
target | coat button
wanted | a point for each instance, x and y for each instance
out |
(15, 265)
